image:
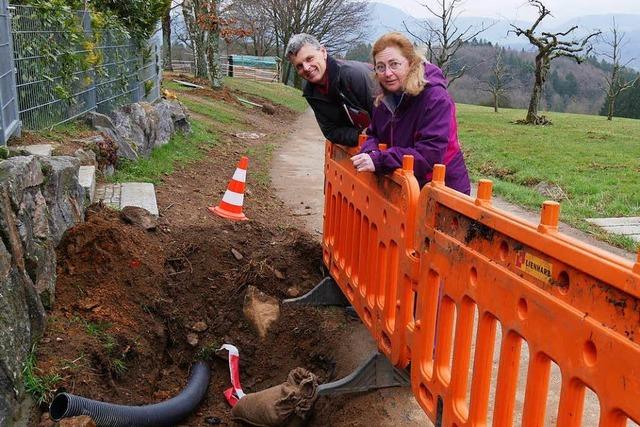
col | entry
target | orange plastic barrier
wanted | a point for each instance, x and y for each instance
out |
(427, 272)
(574, 305)
(367, 241)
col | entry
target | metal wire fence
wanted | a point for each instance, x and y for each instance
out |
(54, 87)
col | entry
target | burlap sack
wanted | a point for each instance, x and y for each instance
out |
(280, 405)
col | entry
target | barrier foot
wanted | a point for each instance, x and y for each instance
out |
(327, 292)
(377, 372)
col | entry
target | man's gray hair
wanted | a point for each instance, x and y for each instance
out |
(297, 41)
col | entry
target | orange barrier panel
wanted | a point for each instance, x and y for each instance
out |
(573, 305)
(368, 230)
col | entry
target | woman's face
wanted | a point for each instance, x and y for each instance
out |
(392, 68)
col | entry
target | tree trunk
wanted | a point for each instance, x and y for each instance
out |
(189, 9)
(166, 41)
(495, 102)
(213, 59)
(536, 93)
(200, 57)
(612, 101)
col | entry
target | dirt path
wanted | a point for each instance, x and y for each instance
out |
(298, 177)
(297, 172)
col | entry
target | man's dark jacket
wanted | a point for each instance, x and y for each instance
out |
(350, 84)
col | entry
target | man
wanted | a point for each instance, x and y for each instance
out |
(339, 92)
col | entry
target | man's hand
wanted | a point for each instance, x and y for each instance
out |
(363, 163)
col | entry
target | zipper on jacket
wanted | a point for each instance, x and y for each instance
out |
(393, 118)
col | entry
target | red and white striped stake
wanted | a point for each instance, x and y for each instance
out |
(233, 393)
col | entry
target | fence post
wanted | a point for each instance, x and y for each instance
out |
(90, 95)
(9, 121)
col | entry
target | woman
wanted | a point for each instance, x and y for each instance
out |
(414, 115)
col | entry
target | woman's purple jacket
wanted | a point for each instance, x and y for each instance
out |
(424, 126)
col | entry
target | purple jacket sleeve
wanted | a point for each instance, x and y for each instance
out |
(430, 140)
(372, 141)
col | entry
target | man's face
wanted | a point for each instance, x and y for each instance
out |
(310, 63)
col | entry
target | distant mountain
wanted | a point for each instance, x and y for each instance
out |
(386, 18)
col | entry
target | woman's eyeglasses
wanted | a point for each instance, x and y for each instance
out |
(393, 66)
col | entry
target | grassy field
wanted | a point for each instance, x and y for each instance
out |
(274, 92)
(594, 162)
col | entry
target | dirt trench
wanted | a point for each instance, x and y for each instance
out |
(134, 309)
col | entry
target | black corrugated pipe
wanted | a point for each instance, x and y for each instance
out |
(167, 413)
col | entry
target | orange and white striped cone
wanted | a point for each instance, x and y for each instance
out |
(231, 205)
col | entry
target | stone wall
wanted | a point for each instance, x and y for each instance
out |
(40, 198)
(140, 127)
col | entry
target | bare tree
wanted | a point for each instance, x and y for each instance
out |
(166, 38)
(191, 10)
(251, 15)
(336, 23)
(498, 83)
(443, 38)
(550, 47)
(616, 83)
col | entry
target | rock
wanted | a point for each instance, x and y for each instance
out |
(192, 339)
(268, 109)
(105, 125)
(81, 421)
(40, 198)
(173, 117)
(236, 254)
(200, 326)
(261, 310)
(279, 274)
(136, 127)
(86, 157)
(46, 421)
(293, 292)
(139, 127)
(139, 216)
(64, 193)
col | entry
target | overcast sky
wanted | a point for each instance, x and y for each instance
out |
(520, 9)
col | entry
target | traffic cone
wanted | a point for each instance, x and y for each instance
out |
(231, 205)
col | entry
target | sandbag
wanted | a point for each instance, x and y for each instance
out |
(282, 405)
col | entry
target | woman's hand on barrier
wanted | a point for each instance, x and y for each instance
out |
(363, 163)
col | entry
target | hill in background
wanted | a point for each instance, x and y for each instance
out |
(571, 87)
(385, 18)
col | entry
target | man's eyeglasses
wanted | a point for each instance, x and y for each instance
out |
(393, 66)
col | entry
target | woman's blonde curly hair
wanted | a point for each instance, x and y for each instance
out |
(415, 81)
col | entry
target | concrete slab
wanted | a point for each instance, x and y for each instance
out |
(39, 149)
(614, 222)
(109, 194)
(140, 194)
(629, 226)
(87, 178)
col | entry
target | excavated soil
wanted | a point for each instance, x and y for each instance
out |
(135, 308)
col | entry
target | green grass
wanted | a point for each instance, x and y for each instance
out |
(41, 387)
(181, 149)
(275, 92)
(262, 155)
(215, 110)
(594, 161)
(64, 131)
